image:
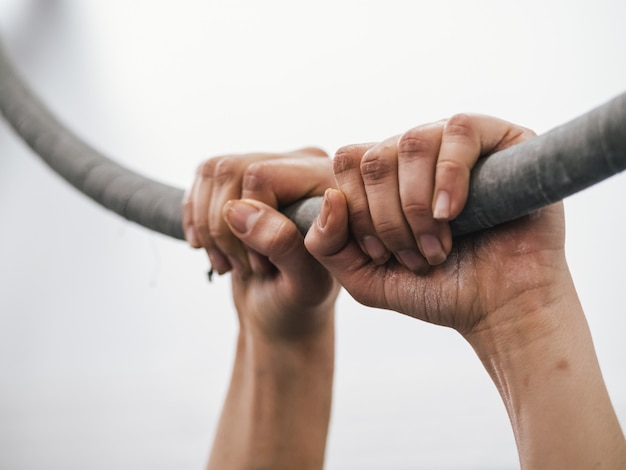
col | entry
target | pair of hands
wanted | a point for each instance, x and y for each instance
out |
(382, 233)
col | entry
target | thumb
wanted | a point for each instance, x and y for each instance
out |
(330, 243)
(269, 233)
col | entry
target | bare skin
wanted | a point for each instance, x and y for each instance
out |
(384, 236)
(278, 405)
(508, 291)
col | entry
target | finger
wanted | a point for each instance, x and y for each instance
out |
(281, 182)
(379, 170)
(347, 170)
(417, 153)
(329, 241)
(309, 152)
(271, 234)
(330, 230)
(465, 138)
(188, 228)
(201, 196)
(226, 186)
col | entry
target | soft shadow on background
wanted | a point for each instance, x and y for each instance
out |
(115, 351)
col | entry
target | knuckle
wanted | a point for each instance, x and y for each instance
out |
(255, 176)
(460, 125)
(375, 167)
(414, 142)
(206, 168)
(314, 151)
(360, 218)
(346, 159)
(394, 236)
(527, 133)
(416, 210)
(225, 169)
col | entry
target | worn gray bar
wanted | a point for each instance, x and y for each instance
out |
(504, 186)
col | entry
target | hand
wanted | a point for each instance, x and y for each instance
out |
(277, 408)
(390, 191)
(231, 212)
(507, 290)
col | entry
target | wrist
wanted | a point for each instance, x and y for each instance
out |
(292, 350)
(525, 320)
(543, 363)
(278, 406)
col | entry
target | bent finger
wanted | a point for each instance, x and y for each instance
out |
(188, 226)
(417, 158)
(272, 235)
(329, 241)
(281, 182)
(465, 139)
(347, 170)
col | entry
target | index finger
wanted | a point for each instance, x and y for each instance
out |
(466, 138)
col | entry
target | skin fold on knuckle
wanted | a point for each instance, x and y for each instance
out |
(376, 168)
(460, 127)
(311, 151)
(206, 169)
(255, 177)
(225, 170)
(346, 160)
(394, 235)
(415, 210)
(414, 144)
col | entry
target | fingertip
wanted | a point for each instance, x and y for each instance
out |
(219, 261)
(451, 191)
(311, 151)
(432, 249)
(334, 202)
(441, 207)
(329, 233)
(192, 237)
(322, 218)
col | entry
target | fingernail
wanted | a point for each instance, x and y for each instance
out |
(241, 216)
(374, 247)
(411, 259)
(442, 206)
(324, 211)
(432, 249)
(190, 235)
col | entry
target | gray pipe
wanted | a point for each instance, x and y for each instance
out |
(503, 187)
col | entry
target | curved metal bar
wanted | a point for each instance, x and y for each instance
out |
(150, 203)
(503, 187)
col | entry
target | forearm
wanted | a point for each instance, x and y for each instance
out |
(545, 368)
(277, 409)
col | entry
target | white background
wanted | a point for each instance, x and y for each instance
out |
(115, 352)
